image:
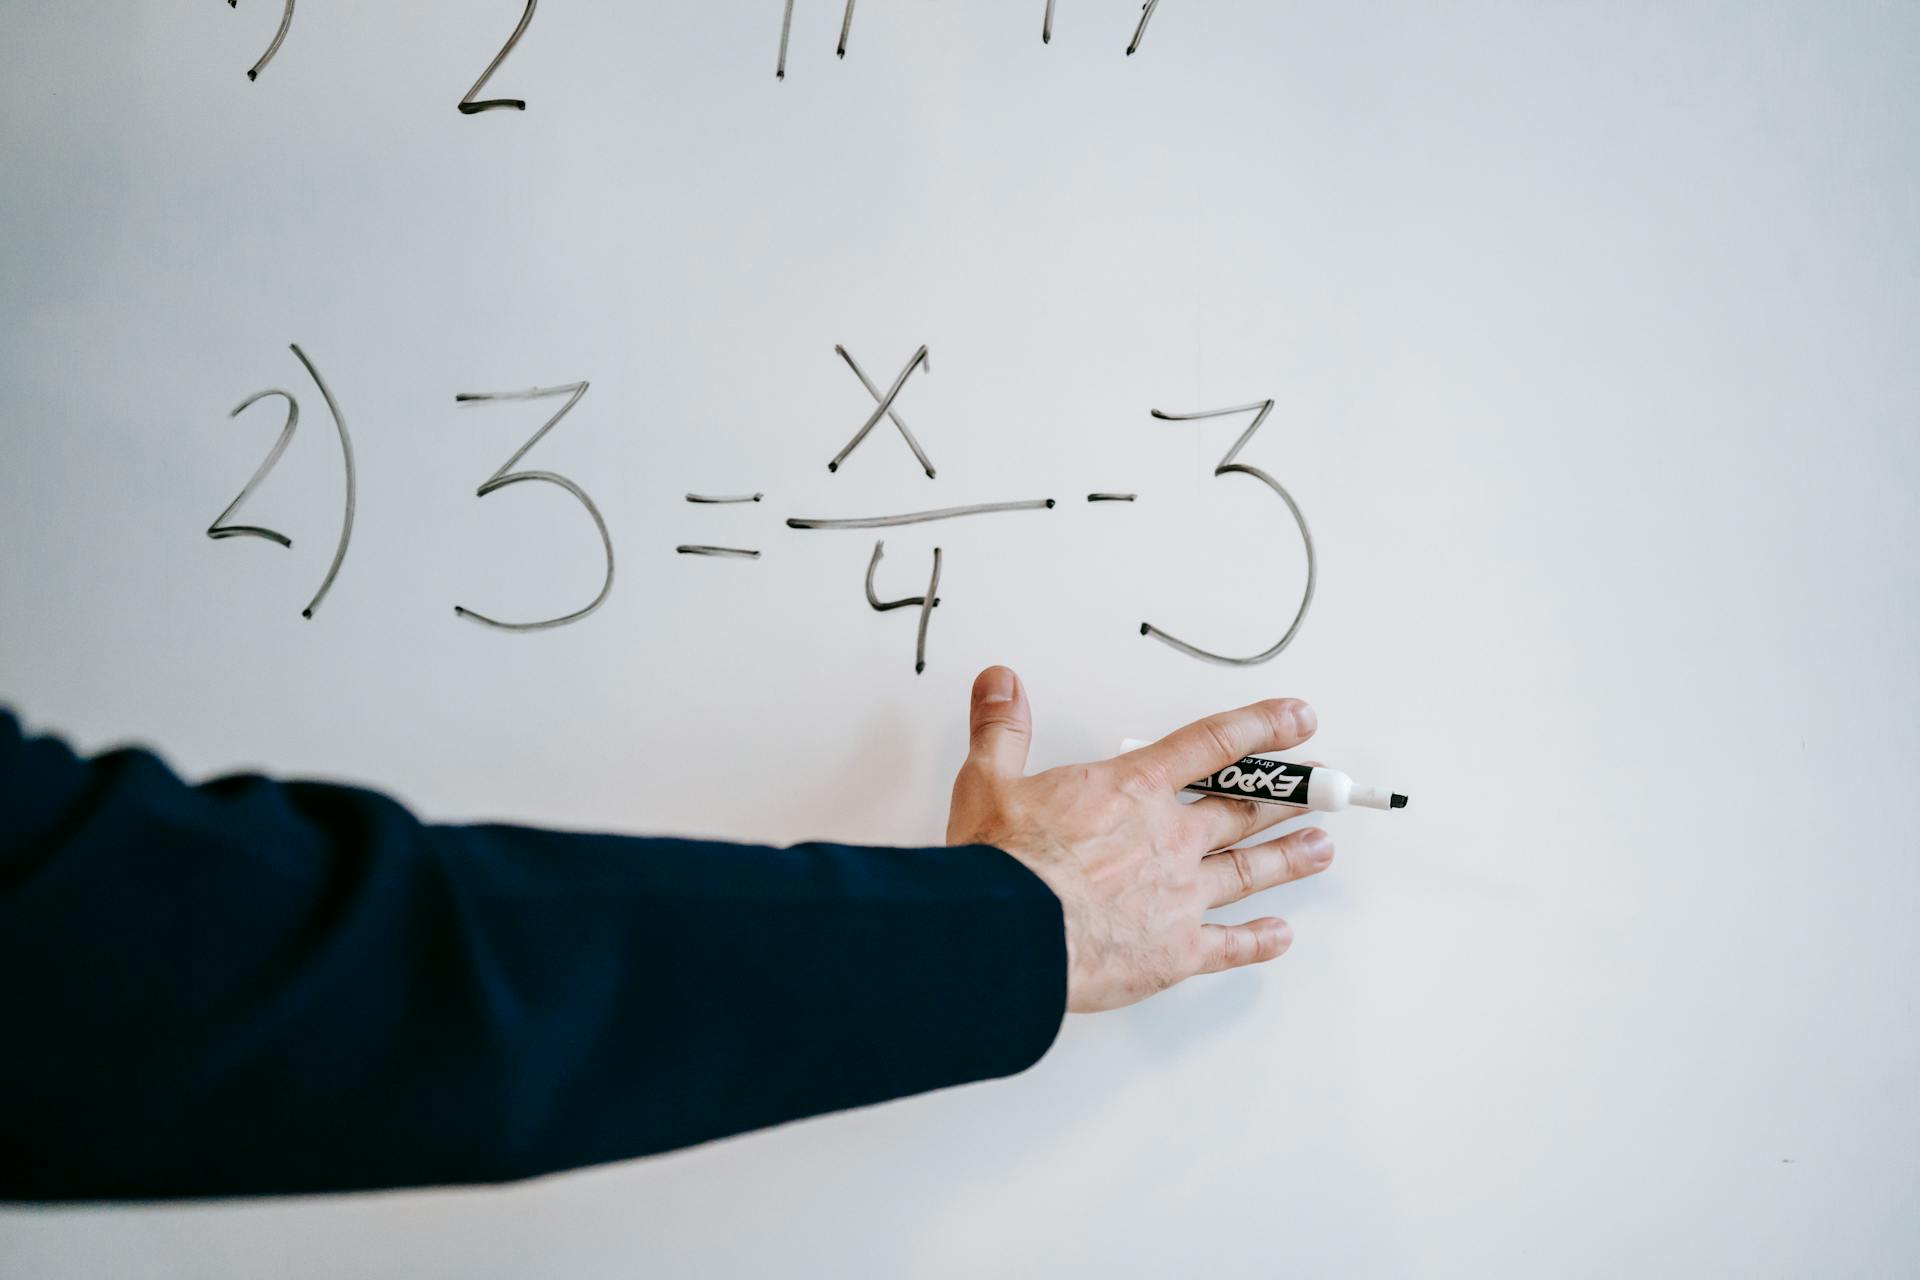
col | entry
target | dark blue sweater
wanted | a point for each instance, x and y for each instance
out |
(253, 987)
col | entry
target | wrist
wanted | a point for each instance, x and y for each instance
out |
(1072, 929)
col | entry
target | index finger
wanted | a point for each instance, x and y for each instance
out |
(1205, 746)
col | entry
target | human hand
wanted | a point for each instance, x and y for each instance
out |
(1134, 868)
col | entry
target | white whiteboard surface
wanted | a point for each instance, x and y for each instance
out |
(1591, 331)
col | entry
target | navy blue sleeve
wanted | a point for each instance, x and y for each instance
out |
(252, 987)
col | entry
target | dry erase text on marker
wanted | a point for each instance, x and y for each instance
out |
(1275, 781)
(1301, 786)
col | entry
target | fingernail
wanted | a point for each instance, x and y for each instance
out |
(1304, 721)
(1319, 846)
(1282, 935)
(995, 685)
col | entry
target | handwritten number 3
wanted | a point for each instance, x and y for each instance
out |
(1228, 466)
(506, 476)
(468, 107)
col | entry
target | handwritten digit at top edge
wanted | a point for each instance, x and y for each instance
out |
(286, 21)
(467, 106)
(1140, 32)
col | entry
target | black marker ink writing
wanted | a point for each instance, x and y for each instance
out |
(1139, 32)
(927, 602)
(1112, 497)
(346, 457)
(286, 21)
(921, 359)
(1228, 466)
(468, 106)
(926, 611)
(505, 476)
(1259, 408)
(892, 416)
(711, 499)
(882, 606)
(919, 517)
(217, 530)
(786, 32)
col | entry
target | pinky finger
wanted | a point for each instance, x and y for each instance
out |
(1232, 946)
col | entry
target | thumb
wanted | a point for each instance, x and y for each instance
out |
(1000, 723)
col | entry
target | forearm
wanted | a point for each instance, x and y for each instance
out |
(253, 987)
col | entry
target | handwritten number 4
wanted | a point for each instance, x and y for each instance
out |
(506, 475)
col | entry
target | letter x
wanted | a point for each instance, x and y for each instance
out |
(786, 29)
(1139, 32)
(885, 410)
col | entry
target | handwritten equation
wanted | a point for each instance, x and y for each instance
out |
(472, 104)
(885, 409)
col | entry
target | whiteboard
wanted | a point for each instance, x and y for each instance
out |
(1590, 334)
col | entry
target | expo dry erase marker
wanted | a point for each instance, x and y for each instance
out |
(1300, 786)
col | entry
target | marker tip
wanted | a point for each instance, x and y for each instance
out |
(1398, 801)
